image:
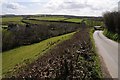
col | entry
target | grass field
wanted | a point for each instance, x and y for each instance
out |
(33, 21)
(31, 52)
(58, 19)
(49, 18)
(73, 20)
(92, 23)
(6, 20)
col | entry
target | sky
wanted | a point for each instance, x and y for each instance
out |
(59, 7)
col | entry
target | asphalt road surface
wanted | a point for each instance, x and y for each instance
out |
(108, 49)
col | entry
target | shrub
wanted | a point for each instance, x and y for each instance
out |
(111, 21)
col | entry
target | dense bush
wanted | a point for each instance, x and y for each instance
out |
(112, 25)
(8, 40)
(72, 59)
(111, 21)
(16, 35)
(92, 23)
(111, 35)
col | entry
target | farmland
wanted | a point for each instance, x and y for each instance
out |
(30, 52)
(28, 40)
(59, 19)
(33, 32)
(40, 20)
(65, 61)
(92, 23)
(59, 40)
(77, 20)
(49, 18)
(7, 20)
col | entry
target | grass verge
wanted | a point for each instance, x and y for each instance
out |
(31, 52)
(96, 56)
(111, 35)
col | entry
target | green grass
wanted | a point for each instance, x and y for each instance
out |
(58, 19)
(14, 19)
(111, 35)
(92, 23)
(96, 56)
(33, 21)
(73, 20)
(6, 20)
(77, 20)
(31, 52)
(49, 18)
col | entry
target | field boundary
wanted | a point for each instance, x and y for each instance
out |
(50, 21)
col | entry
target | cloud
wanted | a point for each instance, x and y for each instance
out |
(12, 5)
(70, 7)
(14, 8)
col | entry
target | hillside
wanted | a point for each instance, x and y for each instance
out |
(71, 59)
(19, 56)
(44, 48)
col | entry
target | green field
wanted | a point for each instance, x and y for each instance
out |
(58, 19)
(73, 20)
(33, 21)
(49, 18)
(17, 20)
(92, 23)
(29, 52)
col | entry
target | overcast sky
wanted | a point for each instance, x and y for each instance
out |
(64, 7)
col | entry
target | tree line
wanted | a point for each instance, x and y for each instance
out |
(17, 35)
(111, 20)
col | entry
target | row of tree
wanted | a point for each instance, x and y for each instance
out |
(111, 20)
(72, 59)
(16, 35)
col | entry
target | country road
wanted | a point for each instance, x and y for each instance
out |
(108, 50)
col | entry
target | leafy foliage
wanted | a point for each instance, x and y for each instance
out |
(111, 21)
(111, 35)
(72, 59)
(33, 33)
(19, 56)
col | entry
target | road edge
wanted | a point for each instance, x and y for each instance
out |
(104, 70)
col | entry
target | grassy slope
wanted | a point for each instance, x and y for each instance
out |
(31, 52)
(17, 20)
(92, 23)
(33, 21)
(57, 19)
(50, 18)
(6, 19)
(74, 20)
(113, 36)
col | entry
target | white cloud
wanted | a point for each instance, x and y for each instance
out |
(14, 8)
(72, 7)
(13, 5)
